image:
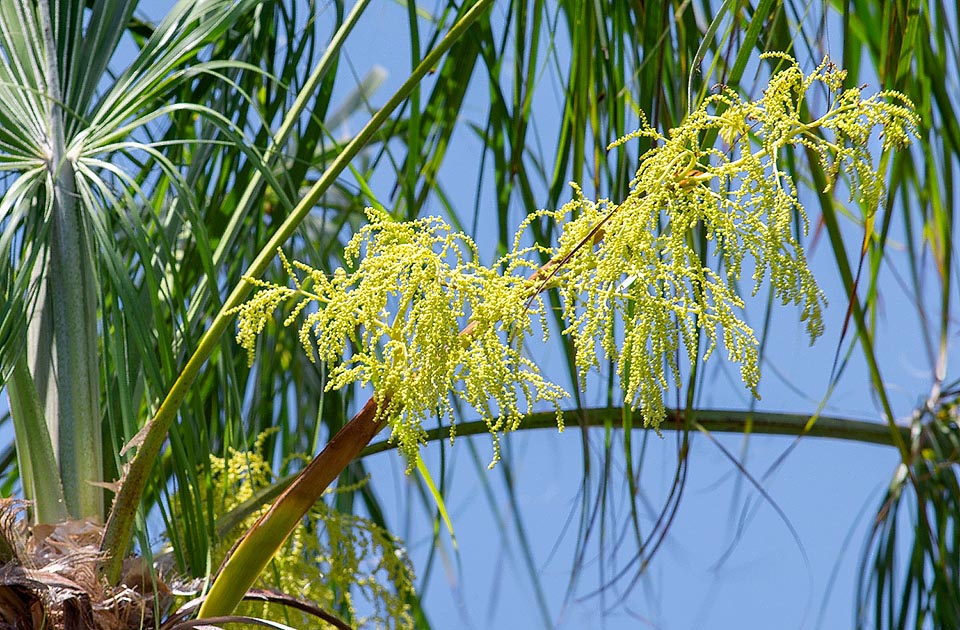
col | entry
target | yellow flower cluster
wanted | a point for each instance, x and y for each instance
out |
(337, 561)
(394, 321)
(636, 285)
(647, 270)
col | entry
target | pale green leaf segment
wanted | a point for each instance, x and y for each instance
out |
(413, 314)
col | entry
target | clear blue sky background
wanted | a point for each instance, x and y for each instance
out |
(828, 490)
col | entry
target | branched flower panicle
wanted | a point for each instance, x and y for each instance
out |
(646, 272)
(393, 318)
(393, 321)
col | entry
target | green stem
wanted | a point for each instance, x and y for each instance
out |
(714, 421)
(119, 527)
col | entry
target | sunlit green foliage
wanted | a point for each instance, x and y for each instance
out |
(186, 163)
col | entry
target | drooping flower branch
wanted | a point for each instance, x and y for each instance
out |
(645, 270)
(634, 287)
(394, 321)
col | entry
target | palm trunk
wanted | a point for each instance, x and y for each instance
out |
(70, 296)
